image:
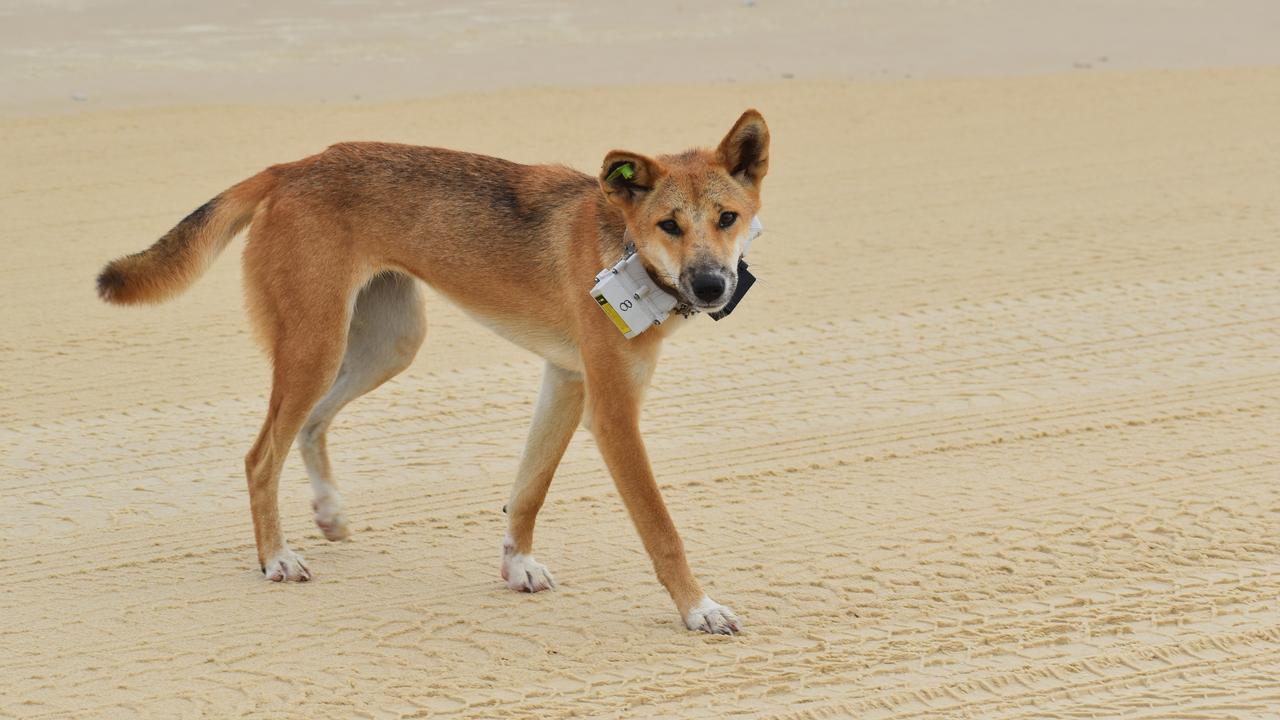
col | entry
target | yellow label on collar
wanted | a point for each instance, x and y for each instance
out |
(613, 315)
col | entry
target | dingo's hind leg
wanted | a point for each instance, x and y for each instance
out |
(300, 286)
(387, 328)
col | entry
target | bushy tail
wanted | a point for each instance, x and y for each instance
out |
(176, 260)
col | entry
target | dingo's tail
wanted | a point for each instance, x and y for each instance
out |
(176, 260)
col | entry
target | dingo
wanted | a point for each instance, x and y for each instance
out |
(336, 241)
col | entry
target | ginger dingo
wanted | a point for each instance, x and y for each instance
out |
(338, 241)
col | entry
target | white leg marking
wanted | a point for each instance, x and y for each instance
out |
(712, 617)
(329, 517)
(522, 572)
(286, 565)
(326, 501)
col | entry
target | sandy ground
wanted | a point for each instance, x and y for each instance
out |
(73, 55)
(1002, 442)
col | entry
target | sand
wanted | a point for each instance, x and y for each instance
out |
(1001, 442)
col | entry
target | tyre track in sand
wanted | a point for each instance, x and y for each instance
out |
(994, 437)
(501, 438)
(1004, 586)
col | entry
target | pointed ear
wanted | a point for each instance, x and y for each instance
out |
(745, 150)
(625, 176)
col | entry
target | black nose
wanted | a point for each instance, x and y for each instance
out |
(708, 286)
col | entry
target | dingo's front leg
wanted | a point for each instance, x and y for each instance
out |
(615, 407)
(554, 420)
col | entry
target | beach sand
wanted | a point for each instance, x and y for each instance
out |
(1001, 438)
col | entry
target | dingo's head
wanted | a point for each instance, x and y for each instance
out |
(688, 214)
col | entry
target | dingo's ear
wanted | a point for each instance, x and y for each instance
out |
(745, 150)
(624, 176)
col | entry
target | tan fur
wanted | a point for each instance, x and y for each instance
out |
(180, 257)
(336, 240)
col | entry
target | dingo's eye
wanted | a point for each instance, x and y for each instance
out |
(727, 219)
(670, 227)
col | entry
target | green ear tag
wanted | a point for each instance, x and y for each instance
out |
(624, 171)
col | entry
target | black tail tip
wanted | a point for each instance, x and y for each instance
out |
(111, 283)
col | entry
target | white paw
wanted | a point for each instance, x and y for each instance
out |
(523, 573)
(712, 617)
(286, 565)
(329, 517)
